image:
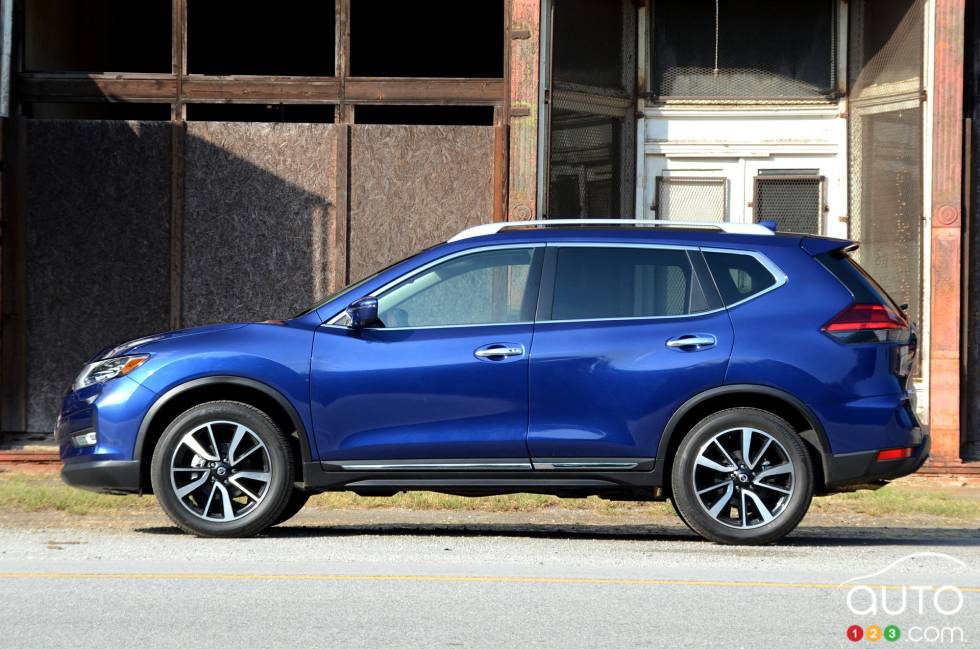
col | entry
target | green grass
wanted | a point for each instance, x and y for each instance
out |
(44, 492)
(428, 501)
(897, 500)
(38, 492)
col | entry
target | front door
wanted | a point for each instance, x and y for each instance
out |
(633, 332)
(443, 376)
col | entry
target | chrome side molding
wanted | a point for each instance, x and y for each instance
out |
(594, 465)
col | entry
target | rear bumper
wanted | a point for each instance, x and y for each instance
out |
(105, 476)
(850, 469)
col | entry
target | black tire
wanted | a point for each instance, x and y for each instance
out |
(276, 465)
(750, 527)
(680, 515)
(297, 500)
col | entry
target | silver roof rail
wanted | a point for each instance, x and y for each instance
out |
(494, 228)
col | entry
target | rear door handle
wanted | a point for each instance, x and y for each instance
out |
(498, 351)
(692, 342)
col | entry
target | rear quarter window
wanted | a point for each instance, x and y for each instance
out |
(738, 276)
(861, 285)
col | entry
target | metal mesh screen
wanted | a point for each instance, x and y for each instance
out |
(795, 203)
(592, 164)
(885, 46)
(692, 199)
(744, 48)
(885, 141)
(889, 203)
(595, 46)
(586, 171)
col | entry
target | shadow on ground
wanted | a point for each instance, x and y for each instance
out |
(802, 537)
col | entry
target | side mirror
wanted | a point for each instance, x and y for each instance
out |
(363, 312)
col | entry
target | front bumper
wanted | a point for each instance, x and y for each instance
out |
(113, 411)
(849, 469)
(104, 476)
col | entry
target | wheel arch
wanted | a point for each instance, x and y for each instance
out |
(774, 400)
(220, 388)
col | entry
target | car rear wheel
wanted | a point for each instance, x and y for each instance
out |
(223, 469)
(742, 476)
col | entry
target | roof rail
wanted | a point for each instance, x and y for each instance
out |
(494, 228)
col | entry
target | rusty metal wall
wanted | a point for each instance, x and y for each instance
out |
(97, 216)
(260, 237)
(414, 186)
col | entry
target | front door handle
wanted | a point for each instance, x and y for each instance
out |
(692, 342)
(499, 351)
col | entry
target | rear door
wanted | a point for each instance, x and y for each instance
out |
(625, 334)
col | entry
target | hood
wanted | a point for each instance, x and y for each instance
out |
(139, 343)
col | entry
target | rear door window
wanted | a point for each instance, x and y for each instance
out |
(738, 276)
(621, 282)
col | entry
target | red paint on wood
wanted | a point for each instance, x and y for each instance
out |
(947, 160)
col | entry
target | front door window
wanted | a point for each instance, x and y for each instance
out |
(487, 287)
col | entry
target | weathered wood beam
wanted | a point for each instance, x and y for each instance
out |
(425, 90)
(524, 47)
(200, 88)
(97, 87)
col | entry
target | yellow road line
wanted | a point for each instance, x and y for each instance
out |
(598, 581)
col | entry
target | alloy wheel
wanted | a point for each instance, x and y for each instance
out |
(220, 471)
(743, 478)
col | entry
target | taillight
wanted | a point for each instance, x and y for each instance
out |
(868, 323)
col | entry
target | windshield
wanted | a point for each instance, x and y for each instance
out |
(352, 287)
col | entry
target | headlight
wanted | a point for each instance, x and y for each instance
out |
(102, 371)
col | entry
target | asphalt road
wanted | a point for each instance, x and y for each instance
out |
(484, 585)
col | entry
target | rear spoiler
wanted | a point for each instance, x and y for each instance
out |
(819, 245)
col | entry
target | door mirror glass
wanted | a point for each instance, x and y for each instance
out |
(363, 312)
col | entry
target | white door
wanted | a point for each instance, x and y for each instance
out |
(802, 193)
(691, 190)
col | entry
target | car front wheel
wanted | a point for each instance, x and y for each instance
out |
(742, 476)
(293, 506)
(222, 469)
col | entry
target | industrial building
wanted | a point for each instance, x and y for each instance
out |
(169, 164)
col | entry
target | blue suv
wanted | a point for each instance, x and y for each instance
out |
(734, 371)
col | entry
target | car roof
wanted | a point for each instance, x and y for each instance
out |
(676, 236)
(719, 234)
